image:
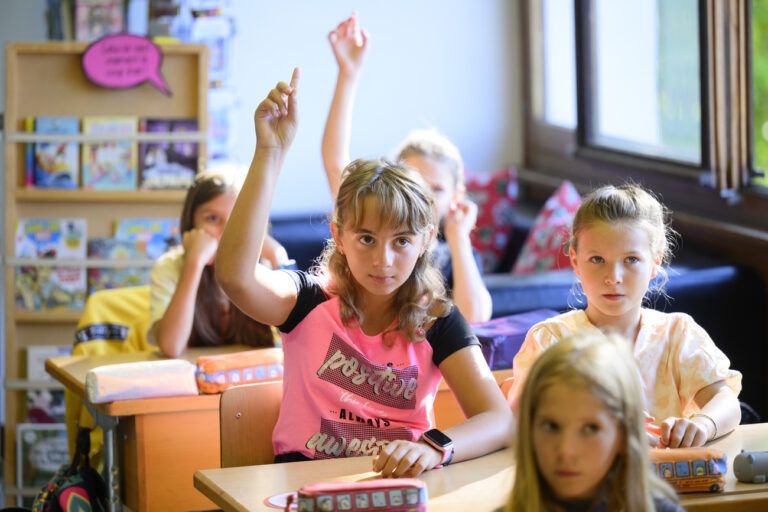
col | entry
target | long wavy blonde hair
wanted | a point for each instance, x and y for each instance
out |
(402, 198)
(607, 369)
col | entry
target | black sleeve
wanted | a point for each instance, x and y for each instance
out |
(449, 334)
(310, 295)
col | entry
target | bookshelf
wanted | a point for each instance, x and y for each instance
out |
(46, 79)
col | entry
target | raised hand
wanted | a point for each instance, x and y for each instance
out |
(276, 118)
(350, 45)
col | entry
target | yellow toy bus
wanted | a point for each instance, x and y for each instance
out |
(691, 469)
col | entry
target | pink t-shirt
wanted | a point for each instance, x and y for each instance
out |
(675, 356)
(347, 394)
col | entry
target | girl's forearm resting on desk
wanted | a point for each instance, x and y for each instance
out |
(490, 424)
(719, 407)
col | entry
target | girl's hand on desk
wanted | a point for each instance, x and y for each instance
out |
(406, 458)
(682, 433)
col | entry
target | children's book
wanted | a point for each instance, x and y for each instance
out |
(44, 406)
(169, 165)
(57, 164)
(110, 164)
(29, 154)
(41, 449)
(49, 287)
(97, 18)
(155, 236)
(116, 277)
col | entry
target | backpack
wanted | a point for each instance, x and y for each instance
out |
(74, 487)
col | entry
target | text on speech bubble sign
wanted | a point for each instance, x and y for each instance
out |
(124, 60)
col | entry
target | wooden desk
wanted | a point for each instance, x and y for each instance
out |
(737, 495)
(476, 485)
(161, 442)
(479, 485)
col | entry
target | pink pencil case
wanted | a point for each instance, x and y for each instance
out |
(143, 379)
(391, 494)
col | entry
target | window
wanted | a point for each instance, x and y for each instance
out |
(664, 97)
(642, 81)
(759, 25)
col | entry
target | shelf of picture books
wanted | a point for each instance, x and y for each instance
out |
(107, 153)
(56, 265)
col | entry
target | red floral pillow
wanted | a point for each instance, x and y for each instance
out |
(544, 248)
(495, 195)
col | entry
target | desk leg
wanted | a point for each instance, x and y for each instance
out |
(108, 426)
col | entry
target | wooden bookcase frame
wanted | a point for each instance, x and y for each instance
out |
(46, 79)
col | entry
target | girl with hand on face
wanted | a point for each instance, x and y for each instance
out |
(619, 243)
(187, 306)
(369, 334)
(581, 442)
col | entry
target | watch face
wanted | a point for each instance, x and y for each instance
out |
(438, 437)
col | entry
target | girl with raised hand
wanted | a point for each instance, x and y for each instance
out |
(187, 306)
(435, 157)
(581, 442)
(369, 333)
(620, 241)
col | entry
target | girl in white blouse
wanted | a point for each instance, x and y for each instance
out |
(620, 241)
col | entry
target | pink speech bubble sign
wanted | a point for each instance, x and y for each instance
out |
(124, 60)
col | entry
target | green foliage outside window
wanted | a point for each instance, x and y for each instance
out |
(760, 87)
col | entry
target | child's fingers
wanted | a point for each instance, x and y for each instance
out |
(666, 430)
(279, 95)
(295, 79)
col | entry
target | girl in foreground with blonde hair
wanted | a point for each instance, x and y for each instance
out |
(581, 443)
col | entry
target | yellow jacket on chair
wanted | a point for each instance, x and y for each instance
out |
(113, 321)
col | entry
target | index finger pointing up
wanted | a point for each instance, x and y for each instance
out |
(295, 78)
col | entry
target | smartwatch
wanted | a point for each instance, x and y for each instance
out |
(440, 442)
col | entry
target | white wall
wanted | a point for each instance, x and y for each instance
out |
(451, 64)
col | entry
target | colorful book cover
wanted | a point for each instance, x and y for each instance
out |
(44, 406)
(29, 154)
(41, 449)
(116, 277)
(110, 164)
(41, 288)
(156, 235)
(97, 18)
(169, 165)
(57, 164)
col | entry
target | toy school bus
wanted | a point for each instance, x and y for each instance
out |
(691, 469)
(391, 495)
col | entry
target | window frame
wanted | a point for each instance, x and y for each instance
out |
(554, 153)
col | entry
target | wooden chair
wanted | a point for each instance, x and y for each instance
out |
(248, 415)
(506, 386)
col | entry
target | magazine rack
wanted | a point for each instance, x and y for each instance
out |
(46, 79)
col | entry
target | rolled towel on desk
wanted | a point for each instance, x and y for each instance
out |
(144, 379)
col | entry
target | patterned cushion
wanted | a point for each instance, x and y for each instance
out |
(544, 249)
(495, 195)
